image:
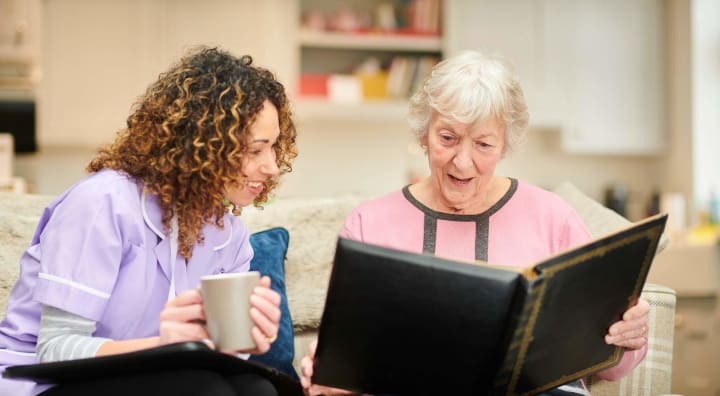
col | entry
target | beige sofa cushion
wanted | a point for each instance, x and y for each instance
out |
(19, 214)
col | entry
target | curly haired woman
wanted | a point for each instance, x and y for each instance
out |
(213, 133)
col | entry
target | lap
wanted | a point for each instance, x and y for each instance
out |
(175, 382)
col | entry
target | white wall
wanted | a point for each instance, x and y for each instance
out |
(676, 167)
(340, 157)
(100, 55)
(545, 163)
(373, 158)
(705, 56)
(691, 166)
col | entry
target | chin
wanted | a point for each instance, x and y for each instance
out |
(241, 202)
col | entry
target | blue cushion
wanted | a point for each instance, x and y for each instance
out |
(270, 248)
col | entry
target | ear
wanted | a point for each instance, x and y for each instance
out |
(424, 141)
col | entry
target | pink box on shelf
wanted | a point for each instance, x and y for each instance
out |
(314, 85)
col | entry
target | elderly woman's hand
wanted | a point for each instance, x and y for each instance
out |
(631, 332)
(306, 368)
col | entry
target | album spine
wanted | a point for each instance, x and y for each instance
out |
(518, 336)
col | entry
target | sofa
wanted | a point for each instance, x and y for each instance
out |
(313, 225)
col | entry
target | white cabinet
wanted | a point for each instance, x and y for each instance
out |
(591, 68)
(607, 54)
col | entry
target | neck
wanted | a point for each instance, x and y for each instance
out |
(429, 196)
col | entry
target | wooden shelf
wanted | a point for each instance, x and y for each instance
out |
(371, 41)
(307, 109)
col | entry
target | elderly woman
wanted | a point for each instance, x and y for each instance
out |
(467, 116)
(116, 259)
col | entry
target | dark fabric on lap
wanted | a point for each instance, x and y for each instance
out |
(176, 383)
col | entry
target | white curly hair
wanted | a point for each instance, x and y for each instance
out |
(471, 87)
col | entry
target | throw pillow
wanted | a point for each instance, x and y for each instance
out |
(597, 218)
(270, 248)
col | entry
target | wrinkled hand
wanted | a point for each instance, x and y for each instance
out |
(631, 332)
(183, 319)
(265, 314)
(306, 368)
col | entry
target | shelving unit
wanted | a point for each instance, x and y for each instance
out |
(371, 41)
(326, 53)
(373, 110)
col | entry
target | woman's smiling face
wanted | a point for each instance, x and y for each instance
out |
(260, 162)
(462, 159)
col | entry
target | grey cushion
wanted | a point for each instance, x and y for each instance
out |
(597, 218)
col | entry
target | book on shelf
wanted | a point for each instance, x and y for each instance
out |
(424, 15)
(407, 73)
(404, 323)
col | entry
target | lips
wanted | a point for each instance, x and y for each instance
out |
(254, 187)
(457, 180)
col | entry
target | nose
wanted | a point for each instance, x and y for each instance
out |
(463, 156)
(269, 166)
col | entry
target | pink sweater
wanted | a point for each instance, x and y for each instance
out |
(525, 226)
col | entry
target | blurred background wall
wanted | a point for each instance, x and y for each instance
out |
(622, 94)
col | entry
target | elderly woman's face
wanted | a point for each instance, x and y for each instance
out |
(462, 159)
(259, 163)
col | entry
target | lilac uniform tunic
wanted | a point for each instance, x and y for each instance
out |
(99, 251)
(526, 225)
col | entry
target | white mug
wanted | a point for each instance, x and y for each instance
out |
(226, 299)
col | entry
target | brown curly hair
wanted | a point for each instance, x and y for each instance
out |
(188, 134)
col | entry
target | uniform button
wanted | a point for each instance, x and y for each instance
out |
(222, 270)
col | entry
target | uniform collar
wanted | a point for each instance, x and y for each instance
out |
(152, 214)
